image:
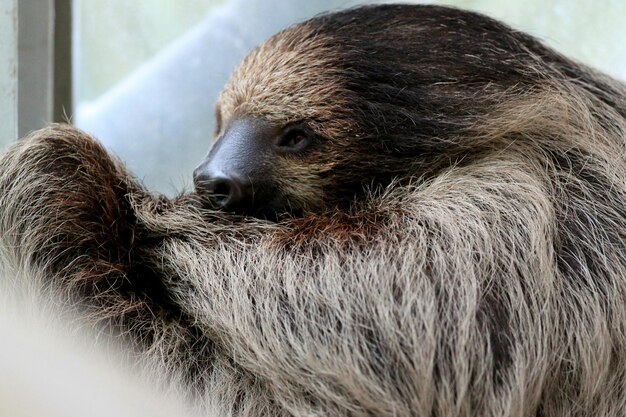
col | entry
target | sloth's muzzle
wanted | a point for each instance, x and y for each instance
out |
(237, 173)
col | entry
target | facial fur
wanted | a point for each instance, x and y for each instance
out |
(387, 93)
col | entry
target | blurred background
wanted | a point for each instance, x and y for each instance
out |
(115, 37)
(143, 77)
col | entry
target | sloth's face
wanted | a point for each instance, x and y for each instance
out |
(254, 163)
(265, 166)
(340, 104)
(284, 133)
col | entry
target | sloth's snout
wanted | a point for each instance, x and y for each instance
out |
(237, 174)
(228, 192)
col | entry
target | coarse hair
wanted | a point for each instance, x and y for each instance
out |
(489, 283)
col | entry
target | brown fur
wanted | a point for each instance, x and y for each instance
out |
(485, 276)
(397, 92)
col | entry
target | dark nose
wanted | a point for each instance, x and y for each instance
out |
(225, 191)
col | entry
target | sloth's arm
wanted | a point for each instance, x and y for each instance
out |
(441, 309)
(67, 216)
(63, 205)
(64, 210)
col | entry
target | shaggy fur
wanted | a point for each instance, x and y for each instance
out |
(402, 91)
(486, 276)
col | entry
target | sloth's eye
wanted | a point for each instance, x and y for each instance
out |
(293, 139)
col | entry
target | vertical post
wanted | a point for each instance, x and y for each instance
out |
(62, 106)
(35, 71)
(8, 72)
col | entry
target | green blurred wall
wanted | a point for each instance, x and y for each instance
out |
(114, 37)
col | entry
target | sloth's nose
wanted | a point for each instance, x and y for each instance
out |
(228, 192)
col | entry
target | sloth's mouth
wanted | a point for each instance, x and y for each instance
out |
(265, 203)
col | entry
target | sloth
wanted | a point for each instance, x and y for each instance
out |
(408, 210)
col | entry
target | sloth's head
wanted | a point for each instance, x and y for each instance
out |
(353, 100)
